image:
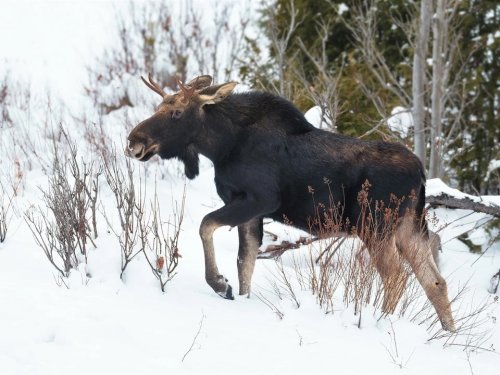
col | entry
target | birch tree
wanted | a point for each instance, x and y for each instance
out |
(419, 79)
(439, 29)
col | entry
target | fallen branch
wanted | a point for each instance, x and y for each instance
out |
(274, 251)
(462, 203)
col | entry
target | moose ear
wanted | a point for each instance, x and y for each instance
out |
(200, 82)
(216, 94)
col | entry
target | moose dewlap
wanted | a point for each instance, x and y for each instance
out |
(270, 162)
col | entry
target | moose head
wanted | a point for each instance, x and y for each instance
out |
(171, 130)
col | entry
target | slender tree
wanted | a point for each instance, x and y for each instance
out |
(419, 79)
(439, 27)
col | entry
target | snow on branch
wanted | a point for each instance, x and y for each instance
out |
(439, 194)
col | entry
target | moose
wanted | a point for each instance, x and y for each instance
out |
(269, 161)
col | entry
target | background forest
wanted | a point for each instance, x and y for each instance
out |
(363, 61)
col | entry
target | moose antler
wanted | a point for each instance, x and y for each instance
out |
(187, 91)
(154, 86)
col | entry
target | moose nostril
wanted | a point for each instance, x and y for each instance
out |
(135, 150)
(138, 150)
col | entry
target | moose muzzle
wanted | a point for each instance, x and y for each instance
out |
(135, 150)
(140, 151)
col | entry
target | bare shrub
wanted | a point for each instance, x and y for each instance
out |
(34, 138)
(323, 89)
(5, 117)
(142, 230)
(285, 282)
(329, 270)
(286, 76)
(5, 208)
(340, 272)
(130, 205)
(15, 95)
(271, 305)
(160, 241)
(19, 140)
(84, 193)
(48, 237)
(392, 349)
(8, 191)
(280, 43)
(351, 268)
(71, 199)
(168, 42)
(97, 138)
(325, 272)
(3, 220)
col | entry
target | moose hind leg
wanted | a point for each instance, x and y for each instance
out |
(250, 237)
(394, 276)
(416, 249)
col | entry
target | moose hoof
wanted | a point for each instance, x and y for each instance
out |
(448, 326)
(222, 287)
(228, 294)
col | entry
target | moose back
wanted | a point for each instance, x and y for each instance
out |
(270, 162)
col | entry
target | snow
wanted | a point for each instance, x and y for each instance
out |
(316, 118)
(343, 8)
(102, 324)
(436, 186)
(493, 166)
(401, 121)
(48, 43)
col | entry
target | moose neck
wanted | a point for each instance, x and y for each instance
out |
(217, 137)
(224, 123)
(220, 128)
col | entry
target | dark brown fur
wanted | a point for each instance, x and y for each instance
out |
(270, 162)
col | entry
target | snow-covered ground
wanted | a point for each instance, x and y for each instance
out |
(102, 324)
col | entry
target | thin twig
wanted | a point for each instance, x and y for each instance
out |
(194, 339)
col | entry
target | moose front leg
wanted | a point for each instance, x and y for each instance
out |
(243, 212)
(217, 281)
(250, 237)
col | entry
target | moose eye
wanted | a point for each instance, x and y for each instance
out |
(176, 113)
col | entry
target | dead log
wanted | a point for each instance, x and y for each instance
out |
(463, 203)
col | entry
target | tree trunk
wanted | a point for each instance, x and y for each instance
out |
(419, 79)
(438, 30)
